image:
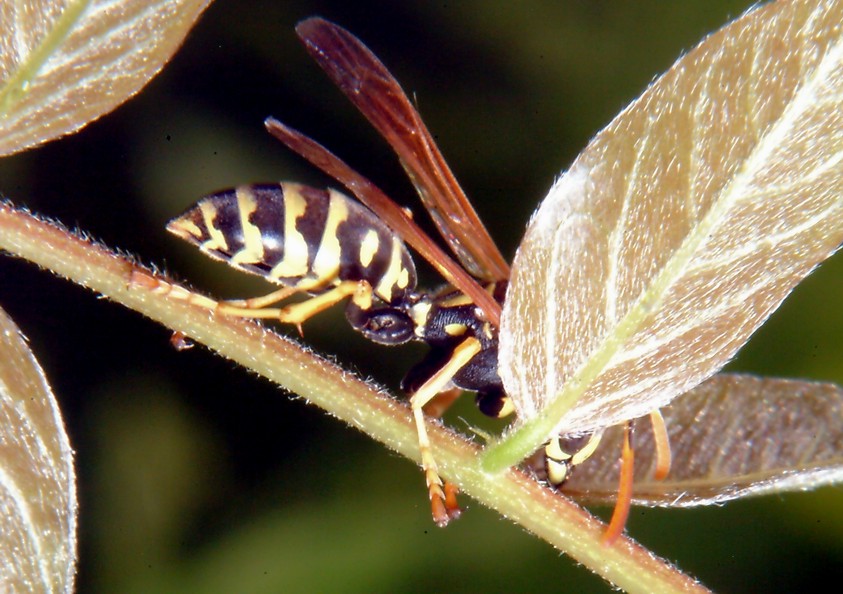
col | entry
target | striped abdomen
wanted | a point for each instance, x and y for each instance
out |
(299, 236)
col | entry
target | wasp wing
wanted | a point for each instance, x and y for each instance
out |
(732, 436)
(376, 93)
(399, 221)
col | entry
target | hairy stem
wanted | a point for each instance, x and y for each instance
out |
(515, 495)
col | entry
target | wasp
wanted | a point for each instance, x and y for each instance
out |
(333, 248)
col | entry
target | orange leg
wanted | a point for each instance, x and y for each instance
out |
(443, 501)
(452, 507)
(662, 441)
(440, 403)
(180, 341)
(622, 505)
(149, 281)
(262, 302)
(296, 313)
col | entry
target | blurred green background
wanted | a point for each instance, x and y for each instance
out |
(195, 476)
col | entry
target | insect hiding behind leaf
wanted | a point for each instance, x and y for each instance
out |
(325, 244)
(618, 282)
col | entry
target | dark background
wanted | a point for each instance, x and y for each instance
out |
(196, 476)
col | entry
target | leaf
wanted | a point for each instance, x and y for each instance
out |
(63, 64)
(731, 436)
(680, 228)
(37, 480)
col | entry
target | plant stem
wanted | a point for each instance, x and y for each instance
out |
(514, 494)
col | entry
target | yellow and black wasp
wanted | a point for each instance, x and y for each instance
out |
(332, 247)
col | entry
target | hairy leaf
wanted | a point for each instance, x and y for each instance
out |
(37, 480)
(63, 64)
(682, 225)
(731, 436)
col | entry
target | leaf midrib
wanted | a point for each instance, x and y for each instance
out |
(17, 85)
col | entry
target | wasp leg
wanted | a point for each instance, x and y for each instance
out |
(662, 441)
(142, 279)
(262, 302)
(440, 403)
(663, 460)
(622, 505)
(297, 313)
(442, 499)
(180, 341)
